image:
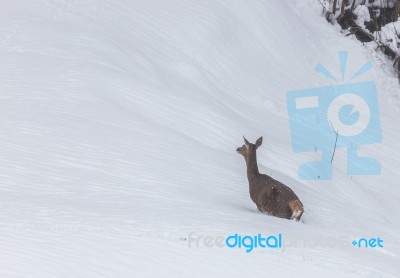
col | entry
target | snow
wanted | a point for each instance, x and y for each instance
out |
(381, 3)
(120, 121)
(388, 35)
(362, 14)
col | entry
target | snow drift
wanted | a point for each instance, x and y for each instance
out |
(120, 121)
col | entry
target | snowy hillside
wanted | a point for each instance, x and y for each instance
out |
(119, 125)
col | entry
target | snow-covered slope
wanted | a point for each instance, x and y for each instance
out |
(119, 125)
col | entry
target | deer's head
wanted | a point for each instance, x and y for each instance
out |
(248, 148)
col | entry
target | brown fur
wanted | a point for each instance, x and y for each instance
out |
(269, 195)
(297, 209)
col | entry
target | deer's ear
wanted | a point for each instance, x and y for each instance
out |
(258, 142)
(245, 141)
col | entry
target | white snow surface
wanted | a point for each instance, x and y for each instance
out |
(119, 125)
(362, 13)
(380, 3)
(389, 35)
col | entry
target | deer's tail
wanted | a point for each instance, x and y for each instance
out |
(297, 209)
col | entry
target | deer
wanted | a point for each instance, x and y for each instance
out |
(270, 196)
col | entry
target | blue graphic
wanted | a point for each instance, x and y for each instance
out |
(251, 242)
(325, 118)
(368, 243)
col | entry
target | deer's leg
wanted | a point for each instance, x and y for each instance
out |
(297, 209)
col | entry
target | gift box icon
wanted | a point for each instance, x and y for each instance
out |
(325, 118)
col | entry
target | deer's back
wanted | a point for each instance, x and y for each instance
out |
(271, 196)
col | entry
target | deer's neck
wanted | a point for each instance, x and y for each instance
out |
(252, 168)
